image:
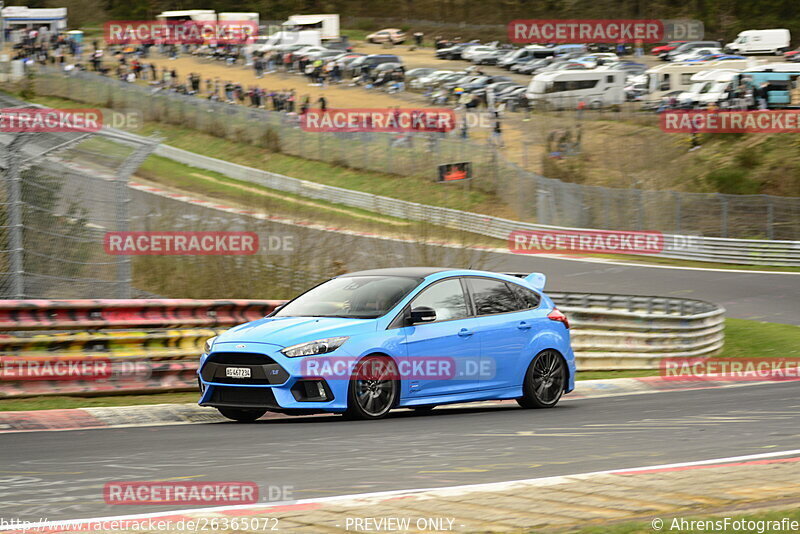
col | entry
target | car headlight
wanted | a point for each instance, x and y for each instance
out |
(320, 346)
(209, 344)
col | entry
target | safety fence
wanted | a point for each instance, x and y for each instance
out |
(154, 345)
(531, 196)
(686, 247)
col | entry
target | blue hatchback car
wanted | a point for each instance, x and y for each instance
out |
(417, 337)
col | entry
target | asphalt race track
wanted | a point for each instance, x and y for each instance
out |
(60, 475)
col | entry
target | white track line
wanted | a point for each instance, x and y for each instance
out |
(490, 486)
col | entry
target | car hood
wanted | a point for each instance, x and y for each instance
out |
(287, 331)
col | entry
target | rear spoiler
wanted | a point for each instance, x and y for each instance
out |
(537, 280)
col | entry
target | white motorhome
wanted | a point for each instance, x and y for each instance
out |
(328, 25)
(564, 89)
(239, 17)
(674, 78)
(264, 43)
(761, 42)
(702, 83)
(203, 15)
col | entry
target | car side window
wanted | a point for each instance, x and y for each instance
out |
(446, 298)
(527, 298)
(492, 296)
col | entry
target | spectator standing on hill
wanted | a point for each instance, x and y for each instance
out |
(323, 103)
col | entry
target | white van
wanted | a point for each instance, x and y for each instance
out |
(723, 83)
(564, 89)
(761, 42)
(702, 83)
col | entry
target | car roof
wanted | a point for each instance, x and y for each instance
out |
(421, 273)
(413, 272)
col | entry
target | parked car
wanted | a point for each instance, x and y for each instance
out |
(491, 58)
(417, 73)
(663, 49)
(629, 67)
(472, 51)
(453, 52)
(368, 62)
(534, 66)
(427, 80)
(697, 54)
(389, 35)
(349, 346)
(687, 47)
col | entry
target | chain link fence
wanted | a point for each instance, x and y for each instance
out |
(61, 193)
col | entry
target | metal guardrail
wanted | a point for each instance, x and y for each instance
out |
(22, 315)
(609, 332)
(721, 250)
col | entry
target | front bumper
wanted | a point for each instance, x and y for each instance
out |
(276, 382)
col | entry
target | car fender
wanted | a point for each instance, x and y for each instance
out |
(546, 339)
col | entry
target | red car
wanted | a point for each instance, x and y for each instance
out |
(792, 55)
(663, 49)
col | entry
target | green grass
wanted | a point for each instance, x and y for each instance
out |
(742, 339)
(64, 402)
(646, 527)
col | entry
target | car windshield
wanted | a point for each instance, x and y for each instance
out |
(358, 297)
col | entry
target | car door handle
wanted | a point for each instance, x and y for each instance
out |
(464, 332)
(523, 325)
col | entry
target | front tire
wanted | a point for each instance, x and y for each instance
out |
(242, 415)
(374, 388)
(544, 381)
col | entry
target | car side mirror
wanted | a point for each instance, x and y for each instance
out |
(422, 314)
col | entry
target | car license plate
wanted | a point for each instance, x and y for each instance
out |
(237, 372)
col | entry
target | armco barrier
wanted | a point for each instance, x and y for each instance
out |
(132, 313)
(133, 338)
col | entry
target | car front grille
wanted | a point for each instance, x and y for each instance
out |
(239, 397)
(263, 369)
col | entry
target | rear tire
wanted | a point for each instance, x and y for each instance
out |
(544, 381)
(374, 388)
(242, 415)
